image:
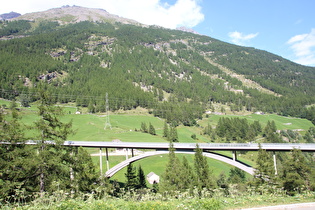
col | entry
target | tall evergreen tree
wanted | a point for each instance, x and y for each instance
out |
(52, 134)
(151, 129)
(188, 177)
(265, 171)
(131, 176)
(141, 178)
(15, 158)
(165, 130)
(296, 172)
(171, 176)
(144, 127)
(84, 174)
(173, 136)
(203, 173)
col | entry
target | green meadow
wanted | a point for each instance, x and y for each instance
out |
(126, 127)
(282, 123)
(157, 164)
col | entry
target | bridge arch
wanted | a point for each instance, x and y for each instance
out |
(229, 161)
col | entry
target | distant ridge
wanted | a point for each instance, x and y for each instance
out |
(74, 14)
(7, 16)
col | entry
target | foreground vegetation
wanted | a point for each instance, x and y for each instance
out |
(157, 201)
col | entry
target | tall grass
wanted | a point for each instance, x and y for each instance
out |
(145, 199)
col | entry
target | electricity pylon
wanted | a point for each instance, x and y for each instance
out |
(107, 123)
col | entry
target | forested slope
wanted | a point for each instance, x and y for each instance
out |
(177, 75)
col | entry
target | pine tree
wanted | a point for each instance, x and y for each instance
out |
(187, 176)
(296, 172)
(84, 177)
(144, 128)
(171, 178)
(131, 176)
(151, 129)
(173, 136)
(15, 160)
(141, 178)
(203, 174)
(308, 137)
(52, 134)
(165, 130)
(265, 171)
(270, 128)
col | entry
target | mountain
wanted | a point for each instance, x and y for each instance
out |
(74, 14)
(7, 16)
(80, 54)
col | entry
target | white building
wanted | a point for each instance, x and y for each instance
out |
(152, 177)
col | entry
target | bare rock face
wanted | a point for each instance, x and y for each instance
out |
(74, 14)
(48, 77)
(182, 28)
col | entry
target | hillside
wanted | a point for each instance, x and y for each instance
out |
(80, 54)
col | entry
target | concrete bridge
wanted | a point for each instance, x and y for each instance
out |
(186, 148)
(189, 148)
(123, 164)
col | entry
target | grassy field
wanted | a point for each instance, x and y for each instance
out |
(90, 127)
(126, 126)
(157, 164)
(282, 123)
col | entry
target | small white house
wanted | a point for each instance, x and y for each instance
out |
(152, 177)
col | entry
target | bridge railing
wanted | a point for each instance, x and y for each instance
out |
(188, 146)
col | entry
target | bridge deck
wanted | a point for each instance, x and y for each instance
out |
(305, 147)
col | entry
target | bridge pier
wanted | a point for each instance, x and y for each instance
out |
(107, 159)
(127, 153)
(275, 162)
(101, 161)
(234, 155)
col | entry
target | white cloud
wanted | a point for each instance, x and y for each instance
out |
(240, 38)
(152, 12)
(303, 46)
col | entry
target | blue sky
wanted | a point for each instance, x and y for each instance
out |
(274, 25)
(286, 28)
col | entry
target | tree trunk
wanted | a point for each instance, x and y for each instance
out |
(42, 184)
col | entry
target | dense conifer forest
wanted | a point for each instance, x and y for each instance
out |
(177, 75)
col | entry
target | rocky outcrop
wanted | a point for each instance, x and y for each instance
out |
(48, 77)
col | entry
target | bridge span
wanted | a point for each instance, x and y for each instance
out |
(123, 164)
(276, 147)
(188, 147)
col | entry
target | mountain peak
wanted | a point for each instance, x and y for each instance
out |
(73, 14)
(7, 16)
